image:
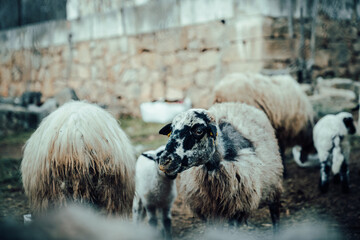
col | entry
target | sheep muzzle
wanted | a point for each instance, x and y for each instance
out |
(169, 164)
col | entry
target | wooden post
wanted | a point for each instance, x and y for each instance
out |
(302, 67)
(311, 62)
(290, 19)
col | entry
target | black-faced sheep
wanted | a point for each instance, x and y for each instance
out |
(283, 101)
(154, 191)
(333, 148)
(231, 159)
(79, 153)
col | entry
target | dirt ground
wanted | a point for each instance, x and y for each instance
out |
(301, 202)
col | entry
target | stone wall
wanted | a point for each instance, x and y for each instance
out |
(133, 55)
(337, 47)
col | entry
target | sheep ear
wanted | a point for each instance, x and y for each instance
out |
(212, 125)
(165, 130)
(349, 124)
(213, 131)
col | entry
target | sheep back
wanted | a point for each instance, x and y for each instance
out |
(240, 185)
(280, 97)
(79, 153)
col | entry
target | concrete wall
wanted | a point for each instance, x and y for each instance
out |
(167, 49)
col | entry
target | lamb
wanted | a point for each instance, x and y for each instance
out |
(229, 161)
(154, 191)
(79, 154)
(283, 101)
(333, 148)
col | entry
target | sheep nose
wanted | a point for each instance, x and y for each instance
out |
(163, 164)
(162, 168)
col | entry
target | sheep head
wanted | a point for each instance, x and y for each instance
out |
(192, 137)
(348, 122)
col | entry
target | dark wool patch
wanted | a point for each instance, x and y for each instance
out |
(185, 161)
(230, 152)
(202, 116)
(212, 165)
(349, 124)
(171, 146)
(233, 141)
(159, 153)
(183, 132)
(189, 142)
(148, 156)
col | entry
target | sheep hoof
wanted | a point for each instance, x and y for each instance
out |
(276, 229)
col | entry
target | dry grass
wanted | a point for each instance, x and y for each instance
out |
(144, 136)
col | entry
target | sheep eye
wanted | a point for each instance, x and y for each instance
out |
(198, 132)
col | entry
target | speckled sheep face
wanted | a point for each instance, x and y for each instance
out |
(192, 136)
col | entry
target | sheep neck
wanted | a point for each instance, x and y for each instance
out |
(164, 177)
(214, 161)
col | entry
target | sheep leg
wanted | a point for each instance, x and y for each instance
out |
(138, 210)
(237, 219)
(274, 208)
(151, 214)
(344, 177)
(337, 178)
(324, 176)
(201, 216)
(166, 220)
(282, 155)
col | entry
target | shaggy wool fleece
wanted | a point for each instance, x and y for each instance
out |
(79, 153)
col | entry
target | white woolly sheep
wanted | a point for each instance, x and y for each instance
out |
(333, 148)
(232, 160)
(283, 101)
(154, 191)
(79, 153)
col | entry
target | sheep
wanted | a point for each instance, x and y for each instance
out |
(229, 161)
(154, 191)
(283, 101)
(79, 154)
(333, 148)
(28, 98)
